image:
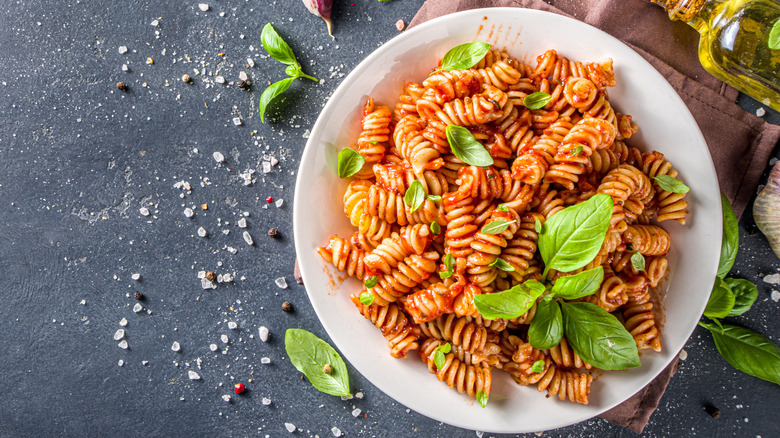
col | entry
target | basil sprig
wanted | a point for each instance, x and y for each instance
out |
(571, 238)
(464, 56)
(536, 100)
(466, 147)
(350, 162)
(745, 294)
(747, 351)
(721, 300)
(666, 182)
(774, 36)
(279, 50)
(546, 329)
(449, 263)
(730, 245)
(638, 261)
(439, 356)
(482, 398)
(309, 354)
(598, 337)
(414, 196)
(510, 303)
(579, 285)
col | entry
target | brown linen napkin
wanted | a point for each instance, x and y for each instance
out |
(740, 143)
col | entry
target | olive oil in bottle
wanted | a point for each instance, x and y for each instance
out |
(737, 41)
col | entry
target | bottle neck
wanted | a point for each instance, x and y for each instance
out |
(693, 12)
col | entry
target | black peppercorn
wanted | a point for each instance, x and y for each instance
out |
(211, 276)
(121, 86)
(286, 306)
(273, 232)
(138, 296)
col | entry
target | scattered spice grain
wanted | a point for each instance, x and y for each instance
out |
(138, 296)
(273, 232)
(121, 86)
(286, 306)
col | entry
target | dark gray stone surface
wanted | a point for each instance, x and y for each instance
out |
(79, 161)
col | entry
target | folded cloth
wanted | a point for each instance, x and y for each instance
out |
(740, 143)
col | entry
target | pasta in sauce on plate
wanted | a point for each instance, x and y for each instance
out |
(562, 154)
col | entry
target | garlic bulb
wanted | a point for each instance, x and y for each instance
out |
(320, 8)
(766, 210)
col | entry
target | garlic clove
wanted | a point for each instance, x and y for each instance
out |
(766, 210)
(320, 8)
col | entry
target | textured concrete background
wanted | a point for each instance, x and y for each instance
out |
(79, 159)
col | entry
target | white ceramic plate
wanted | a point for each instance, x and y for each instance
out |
(665, 125)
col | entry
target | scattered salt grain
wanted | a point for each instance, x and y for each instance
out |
(203, 7)
(266, 401)
(479, 434)
(123, 345)
(154, 23)
(125, 67)
(356, 412)
(266, 167)
(760, 112)
(193, 375)
(264, 333)
(683, 355)
(218, 157)
(359, 395)
(213, 347)
(232, 325)
(144, 211)
(265, 360)
(123, 322)
(137, 308)
(226, 397)
(281, 282)
(290, 427)
(237, 121)
(231, 250)
(176, 347)
(335, 431)
(224, 278)
(144, 362)
(219, 80)
(121, 362)
(248, 238)
(224, 339)
(83, 302)
(775, 296)
(279, 203)
(538, 433)
(188, 212)
(241, 223)
(243, 76)
(136, 276)
(119, 334)
(772, 279)
(250, 62)
(274, 161)
(207, 284)
(122, 50)
(202, 232)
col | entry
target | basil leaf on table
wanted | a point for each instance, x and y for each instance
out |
(294, 71)
(579, 285)
(546, 329)
(414, 196)
(495, 227)
(466, 147)
(508, 304)
(666, 182)
(598, 337)
(350, 162)
(536, 100)
(745, 294)
(270, 93)
(721, 300)
(730, 244)
(502, 265)
(774, 36)
(464, 56)
(747, 351)
(309, 354)
(571, 238)
(638, 261)
(276, 46)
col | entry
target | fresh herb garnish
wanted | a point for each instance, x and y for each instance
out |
(537, 226)
(367, 298)
(464, 56)
(745, 294)
(466, 147)
(638, 261)
(439, 356)
(546, 329)
(435, 228)
(579, 285)
(350, 162)
(721, 300)
(434, 198)
(774, 36)
(730, 245)
(538, 366)
(598, 337)
(536, 100)
(666, 182)
(510, 303)
(414, 196)
(495, 227)
(310, 354)
(371, 281)
(502, 265)
(747, 351)
(449, 263)
(503, 207)
(482, 398)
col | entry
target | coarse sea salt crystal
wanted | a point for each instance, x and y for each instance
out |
(279, 203)
(218, 157)
(241, 223)
(775, 296)
(219, 80)
(226, 397)
(478, 433)
(176, 347)
(232, 325)
(243, 76)
(281, 282)
(144, 211)
(760, 112)
(136, 276)
(203, 7)
(224, 339)
(359, 395)
(193, 375)
(356, 412)
(772, 279)
(213, 347)
(122, 50)
(121, 362)
(202, 232)
(232, 250)
(265, 360)
(266, 167)
(119, 334)
(335, 431)
(188, 212)
(266, 401)
(248, 238)
(250, 62)
(144, 362)
(123, 345)
(290, 427)
(137, 308)
(237, 121)
(264, 333)
(123, 322)
(683, 354)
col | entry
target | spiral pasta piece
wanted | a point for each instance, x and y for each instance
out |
(566, 384)
(650, 240)
(566, 358)
(638, 315)
(456, 374)
(461, 331)
(374, 138)
(428, 304)
(355, 199)
(390, 207)
(401, 334)
(344, 256)
(671, 206)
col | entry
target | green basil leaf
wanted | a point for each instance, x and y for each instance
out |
(309, 354)
(774, 36)
(546, 329)
(276, 46)
(730, 245)
(535, 286)
(721, 300)
(579, 285)
(495, 227)
(502, 265)
(571, 238)
(537, 226)
(538, 366)
(536, 100)
(482, 397)
(503, 207)
(367, 298)
(414, 196)
(434, 198)
(439, 358)
(745, 294)
(747, 351)
(372, 281)
(350, 162)
(598, 337)
(508, 304)
(578, 150)
(666, 182)
(435, 228)
(293, 70)
(464, 56)
(446, 348)
(270, 93)
(466, 147)
(449, 263)
(638, 261)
